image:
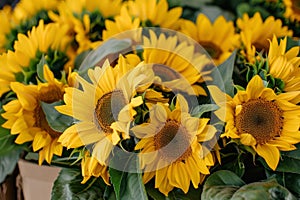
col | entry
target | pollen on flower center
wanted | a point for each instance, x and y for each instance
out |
(108, 108)
(213, 50)
(260, 118)
(173, 142)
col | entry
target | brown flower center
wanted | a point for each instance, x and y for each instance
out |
(260, 118)
(296, 6)
(165, 73)
(261, 46)
(49, 94)
(213, 50)
(108, 108)
(173, 142)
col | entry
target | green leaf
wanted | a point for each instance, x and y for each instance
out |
(80, 58)
(242, 8)
(199, 110)
(174, 3)
(221, 185)
(263, 190)
(289, 164)
(8, 163)
(239, 88)
(56, 120)
(40, 68)
(292, 43)
(109, 193)
(195, 3)
(226, 185)
(111, 46)
(213, 12)
(289, 180)
(68, 186)
(127, 185)
(154, 193)
(222, 75)
(224, 177)
(176, 194)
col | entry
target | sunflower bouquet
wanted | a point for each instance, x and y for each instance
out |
(147, 99)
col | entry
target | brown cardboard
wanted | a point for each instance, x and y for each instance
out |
(37, 181)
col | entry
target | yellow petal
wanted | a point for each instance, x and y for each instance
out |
(254, 87)
(247, 139)
(41, 139)
(270, 154)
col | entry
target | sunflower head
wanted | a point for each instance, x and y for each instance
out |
(121, 23)
(6, 21)
(255, 33)
(154, 13)
(211, 36)
(45, 44)
(26, 116)
(171, 142)
(292, 10)
(284, 64)
(263, 120)
(177, 65)
(104, 107)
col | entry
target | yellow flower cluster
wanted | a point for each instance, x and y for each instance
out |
(147, 99)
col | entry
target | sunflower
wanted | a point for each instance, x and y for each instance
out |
(292, 9)
(6, 26)
(285, 64)
(26, 118)
(218, 39)
(8, 73)
(25, 15)
(89, 22)
(123, 22)
(154, 13)
(65, 16)
(98, 105)
(259, 118)
(26, 9)
(175, 63)
(44, 41)
(170, 147)
(255, 33)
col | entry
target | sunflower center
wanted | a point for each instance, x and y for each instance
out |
(261, 47)
(173, 142)
(260, 118)
(213, 50)
(50, 94)
(296, 6)
(165, 73)
(108, 108)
